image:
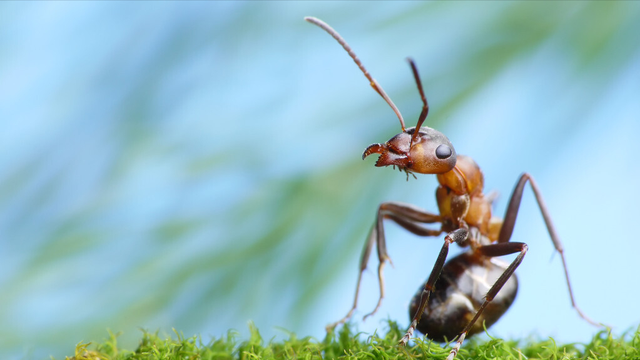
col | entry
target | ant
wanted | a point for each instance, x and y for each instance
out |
(473, 288)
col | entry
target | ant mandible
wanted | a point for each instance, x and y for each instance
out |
(473, 288)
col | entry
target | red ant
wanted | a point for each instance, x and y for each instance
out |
(473, 288)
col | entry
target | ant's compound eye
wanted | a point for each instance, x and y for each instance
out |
(443, 152)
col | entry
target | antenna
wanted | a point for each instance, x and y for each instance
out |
(425, 107)
(374, 84)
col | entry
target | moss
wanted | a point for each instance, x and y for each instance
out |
(346, 345)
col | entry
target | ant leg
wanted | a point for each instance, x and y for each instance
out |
(406, 215)
(457, 236)
(510, 221)
(493, 250)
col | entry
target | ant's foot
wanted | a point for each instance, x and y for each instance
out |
(404, 340)
(408, 334)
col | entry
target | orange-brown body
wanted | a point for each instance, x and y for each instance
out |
(464, 281)
(460, 197)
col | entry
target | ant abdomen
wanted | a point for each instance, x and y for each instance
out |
(458, 294)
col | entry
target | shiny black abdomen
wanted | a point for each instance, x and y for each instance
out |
(458, 294)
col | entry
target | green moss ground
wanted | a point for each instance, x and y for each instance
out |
(346, 345)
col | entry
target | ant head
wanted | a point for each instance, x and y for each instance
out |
(430, 153)
(420, 149)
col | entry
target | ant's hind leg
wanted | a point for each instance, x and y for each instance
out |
(510, 220)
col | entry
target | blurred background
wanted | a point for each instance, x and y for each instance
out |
(198, 165)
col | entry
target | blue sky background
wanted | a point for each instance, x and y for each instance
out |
(197, 165)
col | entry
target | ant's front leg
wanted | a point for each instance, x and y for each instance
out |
(492, 250)
(458, 236)
(406, 215)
